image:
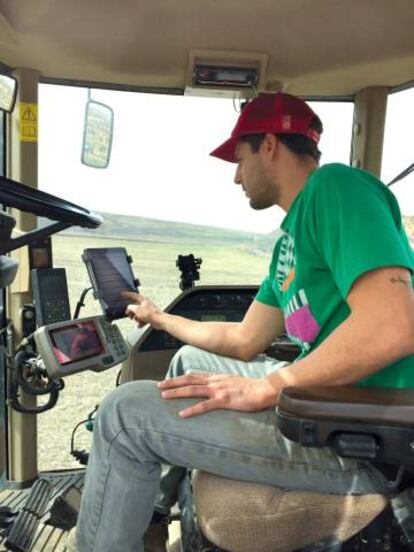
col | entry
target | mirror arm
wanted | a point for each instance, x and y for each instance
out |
(29, 237)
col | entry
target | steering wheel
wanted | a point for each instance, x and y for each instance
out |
(17, 195)
(64, 213)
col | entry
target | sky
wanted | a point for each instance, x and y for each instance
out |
(160, 165)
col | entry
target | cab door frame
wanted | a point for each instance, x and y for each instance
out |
(22, 165)
(3, 375)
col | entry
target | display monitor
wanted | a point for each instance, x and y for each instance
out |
(76, 342)
(73, 346)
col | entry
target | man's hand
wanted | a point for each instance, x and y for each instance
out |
(142, 310)
(220, 391)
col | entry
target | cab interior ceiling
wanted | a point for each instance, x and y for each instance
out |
(316, 48)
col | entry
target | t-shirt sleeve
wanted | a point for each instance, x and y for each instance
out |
(356, 225)
(266, 294)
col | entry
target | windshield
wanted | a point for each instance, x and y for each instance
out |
(162, 192)
(161, 196)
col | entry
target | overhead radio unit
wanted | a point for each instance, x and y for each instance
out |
(228, 74)
(225, 75)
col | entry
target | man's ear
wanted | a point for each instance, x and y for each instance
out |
(270, 145)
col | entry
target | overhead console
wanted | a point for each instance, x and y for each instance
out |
(226, 73)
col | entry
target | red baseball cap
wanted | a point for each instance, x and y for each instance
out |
(278, 113)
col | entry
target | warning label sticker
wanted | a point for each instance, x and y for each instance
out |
(28, 122)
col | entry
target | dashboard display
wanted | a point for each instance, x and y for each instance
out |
(213, 318)
(76, 342)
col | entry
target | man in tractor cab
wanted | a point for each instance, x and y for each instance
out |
(342, 264)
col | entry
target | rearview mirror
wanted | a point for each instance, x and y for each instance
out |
(97, 135)
(8, 93)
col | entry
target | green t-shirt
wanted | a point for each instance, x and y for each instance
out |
(343, 223)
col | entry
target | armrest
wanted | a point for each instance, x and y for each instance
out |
(373, 424)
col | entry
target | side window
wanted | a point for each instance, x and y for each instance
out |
(2, 144)
(337, 118)
(398, 153)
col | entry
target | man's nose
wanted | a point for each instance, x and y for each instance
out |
(237, 177)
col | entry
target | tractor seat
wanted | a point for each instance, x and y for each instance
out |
(371, 424)
(240, 517)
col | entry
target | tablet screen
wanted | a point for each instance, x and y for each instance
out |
(110, 274)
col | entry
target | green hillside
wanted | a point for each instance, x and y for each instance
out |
(160, 231)
(154, 230)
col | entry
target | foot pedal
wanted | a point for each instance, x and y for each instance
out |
(65, 509)
(7, 516)
(27, 521)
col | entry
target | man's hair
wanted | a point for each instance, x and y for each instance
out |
(297, 143)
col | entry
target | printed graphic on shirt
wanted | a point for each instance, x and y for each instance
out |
(300, 323)
(285, 270)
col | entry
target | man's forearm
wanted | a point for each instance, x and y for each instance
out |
(353, 351)
(216, 337)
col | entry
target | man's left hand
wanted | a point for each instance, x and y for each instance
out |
(220, 391)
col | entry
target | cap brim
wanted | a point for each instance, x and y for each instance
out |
(226, 150)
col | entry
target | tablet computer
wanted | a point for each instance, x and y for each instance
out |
(110, 272)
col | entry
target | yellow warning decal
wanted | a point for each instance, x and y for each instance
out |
(28, 122)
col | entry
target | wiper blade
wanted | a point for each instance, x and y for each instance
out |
(402, 175)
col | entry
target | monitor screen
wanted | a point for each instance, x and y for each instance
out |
(76, 342)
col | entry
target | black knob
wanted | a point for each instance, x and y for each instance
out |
(237, 299)
(216, 301)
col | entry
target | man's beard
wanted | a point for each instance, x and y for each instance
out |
(260, 203)
(262, 194)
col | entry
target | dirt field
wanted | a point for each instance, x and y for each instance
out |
(154, 265)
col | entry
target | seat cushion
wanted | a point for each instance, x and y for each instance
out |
(241, 517)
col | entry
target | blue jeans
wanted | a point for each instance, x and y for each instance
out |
(136, 431)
